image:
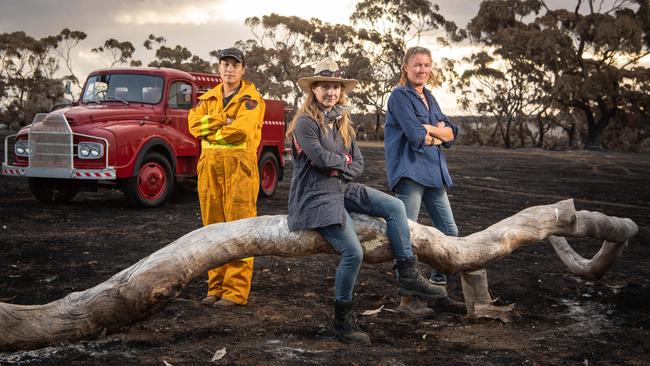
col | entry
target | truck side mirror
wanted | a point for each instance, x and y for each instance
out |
(68, 87)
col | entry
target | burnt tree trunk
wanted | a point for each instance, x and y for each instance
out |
(141, 289)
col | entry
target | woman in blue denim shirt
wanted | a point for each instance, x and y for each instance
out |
(326, 159)
(414, 134)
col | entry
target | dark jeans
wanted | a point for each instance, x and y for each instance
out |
(346, 242)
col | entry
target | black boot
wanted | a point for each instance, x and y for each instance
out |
(448, 305)
(412, 283)
(345, 325)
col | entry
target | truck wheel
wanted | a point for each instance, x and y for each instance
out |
(269, 173)
(51, 190)
(153, 184)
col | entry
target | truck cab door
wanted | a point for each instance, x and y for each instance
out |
(177, 107)
(179, 102)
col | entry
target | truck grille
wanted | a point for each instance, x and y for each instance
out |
(50, 142)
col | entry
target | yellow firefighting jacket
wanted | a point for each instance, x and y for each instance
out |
(228, 179)
(238, 125)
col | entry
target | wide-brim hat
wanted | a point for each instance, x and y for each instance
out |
(327, 70)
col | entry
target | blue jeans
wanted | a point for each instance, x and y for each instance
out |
(437, 205)
(346, 242)
(435, 201)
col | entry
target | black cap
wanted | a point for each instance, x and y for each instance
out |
(232, 52)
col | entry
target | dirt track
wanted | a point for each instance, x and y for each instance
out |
(49, 251)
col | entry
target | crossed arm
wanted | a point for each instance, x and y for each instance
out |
(438, 134)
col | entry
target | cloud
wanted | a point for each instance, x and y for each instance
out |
(155, 12)
(199, 25)
(195, 14)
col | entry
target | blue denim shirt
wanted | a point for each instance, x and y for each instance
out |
(405, 152)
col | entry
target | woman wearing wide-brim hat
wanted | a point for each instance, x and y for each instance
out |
(326, 159)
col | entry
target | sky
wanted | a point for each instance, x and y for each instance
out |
(199, 25)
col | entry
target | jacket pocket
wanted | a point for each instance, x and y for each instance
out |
(422, 116)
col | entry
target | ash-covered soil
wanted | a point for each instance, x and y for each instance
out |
(49, 251)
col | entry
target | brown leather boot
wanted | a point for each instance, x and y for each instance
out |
(210, 300)
(415, 307)
(224, 304)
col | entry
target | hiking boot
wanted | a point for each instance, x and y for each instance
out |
(346, 328)
(415, 307)
(448, 305)
(438, 278)
(224, 304)
(412, 283)
(210, 300)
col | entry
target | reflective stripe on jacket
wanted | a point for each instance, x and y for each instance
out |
(238, 125)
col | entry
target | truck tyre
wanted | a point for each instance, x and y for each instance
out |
(52, 190)
(269, 173)
(153, 184)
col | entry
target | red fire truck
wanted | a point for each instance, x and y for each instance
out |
(129, 128)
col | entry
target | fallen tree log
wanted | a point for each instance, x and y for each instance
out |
(141, 289)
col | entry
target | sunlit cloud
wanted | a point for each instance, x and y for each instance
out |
(456, 53)
(95, 60)
(645, 61)
(447, 102)
(333, 11)
(87, 54)
(212, 12)
(182, 14)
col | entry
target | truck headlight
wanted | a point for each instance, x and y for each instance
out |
(90, 150)
(21, 148)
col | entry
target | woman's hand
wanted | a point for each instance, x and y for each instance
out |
(430, 140)
(440, 133)
(432, 131)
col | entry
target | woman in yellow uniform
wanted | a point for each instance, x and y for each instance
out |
(228, 121)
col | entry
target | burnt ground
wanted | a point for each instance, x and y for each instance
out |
(49, 251)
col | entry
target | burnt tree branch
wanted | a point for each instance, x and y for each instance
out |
(141, 289)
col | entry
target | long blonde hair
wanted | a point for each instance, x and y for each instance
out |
(434, 80)
(309, 108)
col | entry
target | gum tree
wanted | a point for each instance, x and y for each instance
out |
(385, 28)
(117, 52)
(285, 48)
(178, 57)
(589, 52)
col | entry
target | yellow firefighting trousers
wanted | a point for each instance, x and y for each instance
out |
(228, 184)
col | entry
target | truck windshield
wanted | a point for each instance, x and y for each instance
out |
(123, 88)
